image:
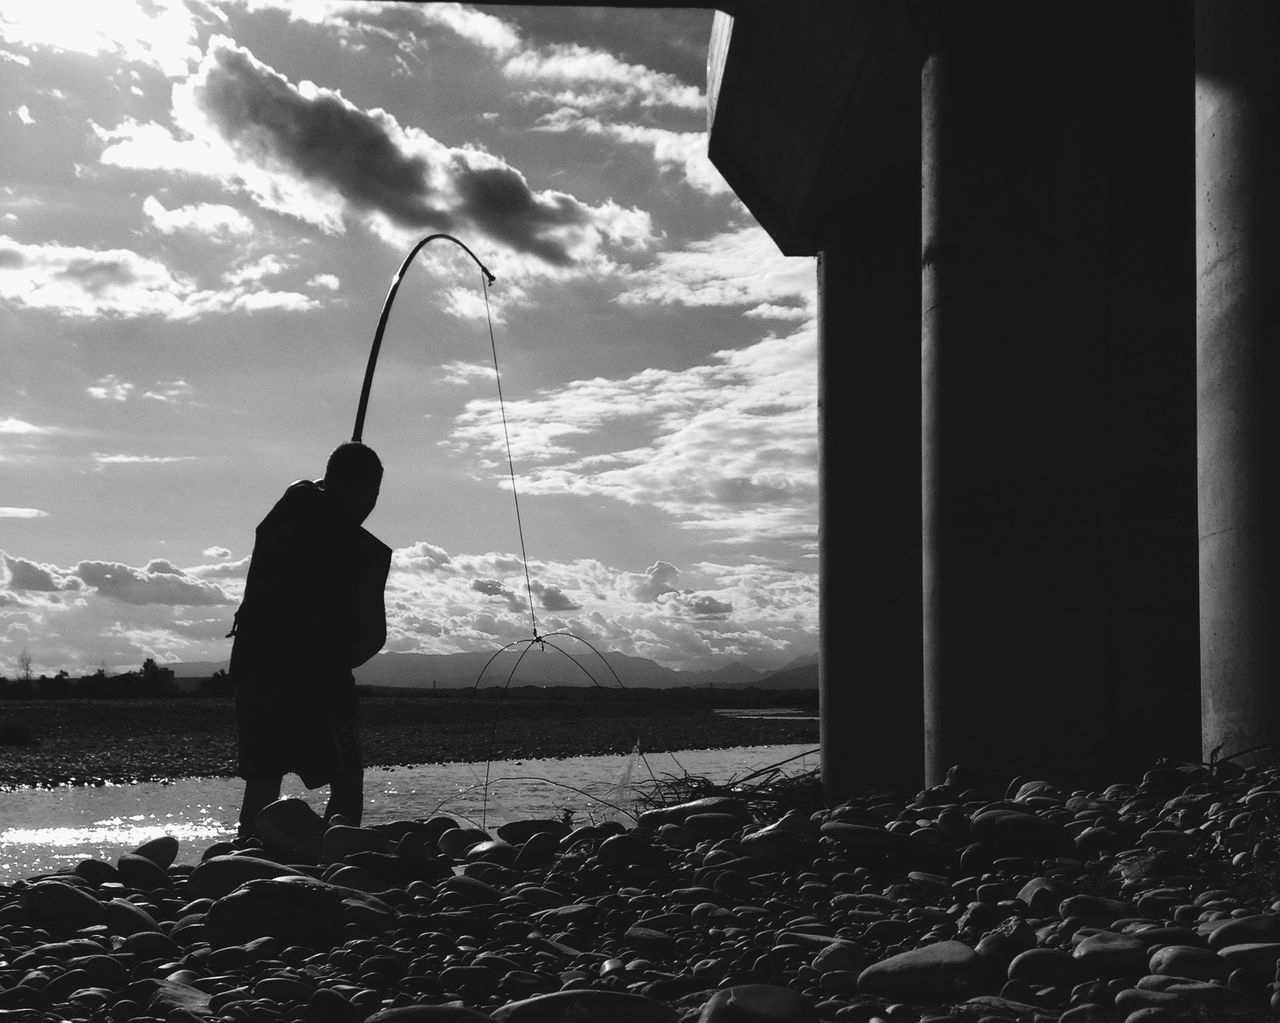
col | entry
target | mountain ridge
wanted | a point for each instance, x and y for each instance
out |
(561, 665)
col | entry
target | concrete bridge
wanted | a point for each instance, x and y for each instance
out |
(1049, 369)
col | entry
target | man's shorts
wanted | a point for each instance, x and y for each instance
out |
(313, 733)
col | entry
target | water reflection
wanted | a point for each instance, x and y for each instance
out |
(45, 830)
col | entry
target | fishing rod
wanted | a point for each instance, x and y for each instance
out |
(357, 433)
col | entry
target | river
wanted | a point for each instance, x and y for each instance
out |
(46, 830)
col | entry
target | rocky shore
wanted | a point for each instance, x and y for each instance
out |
(1141, 903)
(88, 742)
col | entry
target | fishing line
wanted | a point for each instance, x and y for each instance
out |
(487, 278)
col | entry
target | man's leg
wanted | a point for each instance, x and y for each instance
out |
(346, 797)
(258, 792)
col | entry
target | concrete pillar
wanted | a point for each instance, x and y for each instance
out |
(869, 519)
(1237, 130)
(1058, 390)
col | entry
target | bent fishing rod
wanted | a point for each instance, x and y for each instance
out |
(357, 433)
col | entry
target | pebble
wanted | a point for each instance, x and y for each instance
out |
(1045, 907)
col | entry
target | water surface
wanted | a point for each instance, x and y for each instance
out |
(44, 830)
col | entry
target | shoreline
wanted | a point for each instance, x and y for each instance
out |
(96, 742)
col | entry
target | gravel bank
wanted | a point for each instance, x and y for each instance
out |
(1140, 903)
(87, 741)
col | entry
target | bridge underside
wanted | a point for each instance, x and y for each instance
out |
(1045, 247)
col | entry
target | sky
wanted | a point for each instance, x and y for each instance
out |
(202, 205)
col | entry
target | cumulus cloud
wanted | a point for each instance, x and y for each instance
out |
(307, 152)
(157, 583)
(648, 586)
(216, 552)
(83, 283)
(21, 574)
(209, 220)
(10, 512)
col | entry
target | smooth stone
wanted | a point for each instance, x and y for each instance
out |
(456, 841)
(1019, 832)
(172, 996)
(142, 873)
(495, 850)
(124, 918)
(295, 910)
(61, 906)
(1188, 961)
(712, 825)
(519, 832)
(162, 851)
(220, 875)
(1044, 967)
(779, 845)
(472, 890)
(538, 851)
(582, 915)
(757, 1003)
(291, 826)
(1258, 957)
(586, 1004)
(1041, 895)
(97, 872)
(942, 970)
(151, 945)
(677, 813)
(340, 841)
(1109, 955)
(1260, 927)
(1094, 909)
(630, 850)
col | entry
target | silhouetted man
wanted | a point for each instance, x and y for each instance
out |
(312, 611)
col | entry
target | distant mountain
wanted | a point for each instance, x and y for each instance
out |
(568, 663)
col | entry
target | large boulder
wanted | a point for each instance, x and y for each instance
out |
(296, 910)
(221, 875)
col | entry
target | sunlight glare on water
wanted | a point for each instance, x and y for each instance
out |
(48, 830)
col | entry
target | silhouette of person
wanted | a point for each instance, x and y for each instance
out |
(312, 611)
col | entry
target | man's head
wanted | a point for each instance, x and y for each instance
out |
(353, 476)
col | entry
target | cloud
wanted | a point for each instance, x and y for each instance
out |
(8, 512)
(729, 447)
(465, 372)
(316, 134)
(734, 268)
(110, 388)
(329, 282)
(602, 79)
(170, 392)
(21, 574)
(104, 459)
(647, 587)
(158, 583)
(209, 220)
(10, 425)
(82, 283)
(154, 33)
(216, 552)
(307, 152)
